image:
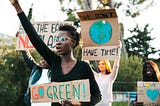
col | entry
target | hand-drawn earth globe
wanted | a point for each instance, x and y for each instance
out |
(100, 32)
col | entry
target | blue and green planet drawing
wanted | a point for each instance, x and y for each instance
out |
(100, 32)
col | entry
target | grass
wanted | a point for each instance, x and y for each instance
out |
(120, 104)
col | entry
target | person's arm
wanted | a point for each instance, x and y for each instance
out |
(115, 69)
(37, 42)
(28, 59)
(95, 73)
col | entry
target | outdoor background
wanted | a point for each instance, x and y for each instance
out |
(138, 21)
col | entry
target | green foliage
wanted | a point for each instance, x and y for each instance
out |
(138, 43)
(71, 12)
(135, 2)
(30, 13)
(14, 73)
(130, 71)
(120, 104)
(77, 53)
(13, 78)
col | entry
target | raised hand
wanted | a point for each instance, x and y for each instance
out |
(17, 34)
(13, 1)
(70, 103)
(16, 5)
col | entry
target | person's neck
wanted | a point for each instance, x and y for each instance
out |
(68, 62)
(103, 72)
(68, 58)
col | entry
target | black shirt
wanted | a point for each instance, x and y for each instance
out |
(81, 70)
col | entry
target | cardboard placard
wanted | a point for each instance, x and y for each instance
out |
(46, 30)
(100, 53)
(148, 93)
(77, 90)
(99, 28)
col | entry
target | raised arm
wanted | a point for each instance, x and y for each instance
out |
(115, 69)
(37, 42)
(28, 59)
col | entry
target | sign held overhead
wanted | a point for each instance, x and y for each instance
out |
(99, 29)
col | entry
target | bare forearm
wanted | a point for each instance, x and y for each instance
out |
(116, 63)
(16, 5)
(115, 69)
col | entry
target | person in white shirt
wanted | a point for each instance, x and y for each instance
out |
(105, 79)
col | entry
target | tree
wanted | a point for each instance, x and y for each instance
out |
(71, 11)
(13, 77)
(130, 71)
(14, 74)
(138, 43)
(134, 7)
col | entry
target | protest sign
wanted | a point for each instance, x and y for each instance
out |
(99, 53)
(99, 29)
(148, 93)
(77, 90)
(46, 30)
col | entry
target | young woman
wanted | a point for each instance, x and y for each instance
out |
(105, 79)
(150, 71)
(64, 67)
(39, 75)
